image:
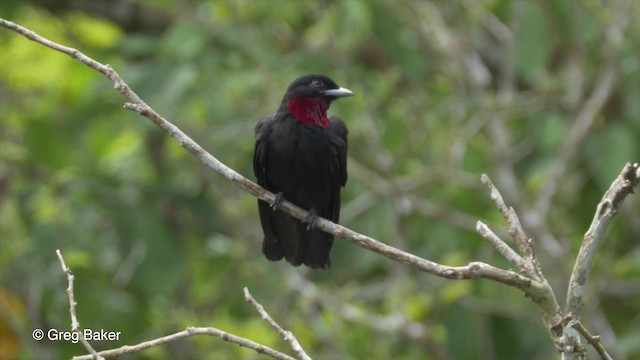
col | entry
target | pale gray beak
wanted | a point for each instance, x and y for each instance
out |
(339, 92)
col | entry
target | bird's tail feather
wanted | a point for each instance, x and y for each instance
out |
(315, 252)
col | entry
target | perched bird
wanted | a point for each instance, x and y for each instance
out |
(301, 155)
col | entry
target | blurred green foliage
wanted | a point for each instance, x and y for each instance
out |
(158, 242)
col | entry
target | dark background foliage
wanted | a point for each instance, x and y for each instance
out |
(158, 242)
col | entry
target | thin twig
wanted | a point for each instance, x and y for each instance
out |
(191, 331)
(75, 325)
(571, 322)
(593, 340)
(287, 335)
(500, 245)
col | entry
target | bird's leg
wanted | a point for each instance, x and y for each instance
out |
(275, 205)
(311, 218)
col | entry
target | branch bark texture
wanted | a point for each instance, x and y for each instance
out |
(606, 210)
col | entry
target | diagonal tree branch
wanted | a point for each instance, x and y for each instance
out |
(471, 271)
(608, 207)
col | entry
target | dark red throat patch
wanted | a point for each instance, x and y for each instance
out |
(310, 111)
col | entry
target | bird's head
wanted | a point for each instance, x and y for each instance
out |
(309, 97)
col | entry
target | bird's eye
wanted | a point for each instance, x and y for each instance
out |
(316, 83)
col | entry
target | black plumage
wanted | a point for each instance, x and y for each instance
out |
(301, 155)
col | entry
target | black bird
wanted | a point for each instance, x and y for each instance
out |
(301, 155)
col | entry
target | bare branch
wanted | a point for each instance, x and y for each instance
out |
(191, 331)
(287, 335)
(622, 186)
(75, 325)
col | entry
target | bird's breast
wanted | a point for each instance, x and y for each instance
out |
(301, 160)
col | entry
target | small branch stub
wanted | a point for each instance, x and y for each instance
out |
(286, 335)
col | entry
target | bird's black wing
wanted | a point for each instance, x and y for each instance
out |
(270, 246)
(339, 129)
(261, 151)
